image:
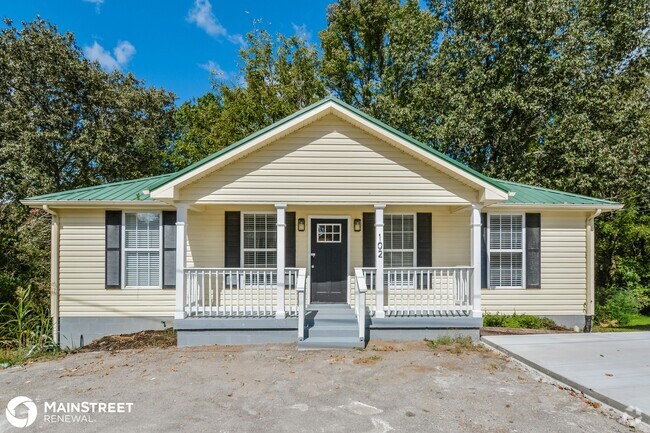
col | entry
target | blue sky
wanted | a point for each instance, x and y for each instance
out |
(170, 44)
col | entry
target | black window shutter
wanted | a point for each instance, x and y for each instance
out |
(484, 251)
(424, 239)
(290, 240)
(533, 254)
(113, 243)
(232, 240)
(368, 239)
(169, 249)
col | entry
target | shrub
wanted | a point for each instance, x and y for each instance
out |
(519, 321)
(494, 320)
(618, 309)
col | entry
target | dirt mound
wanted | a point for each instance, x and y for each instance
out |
(139, 340)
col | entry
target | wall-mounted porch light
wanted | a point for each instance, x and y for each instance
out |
(357, 225)
(301, 224)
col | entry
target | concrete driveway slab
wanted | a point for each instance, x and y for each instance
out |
(611, 367)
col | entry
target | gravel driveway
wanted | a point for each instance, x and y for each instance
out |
(401, 387)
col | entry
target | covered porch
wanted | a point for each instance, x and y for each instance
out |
(285, 300)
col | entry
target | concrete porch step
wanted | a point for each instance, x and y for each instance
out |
(332, 331)
(331, 326)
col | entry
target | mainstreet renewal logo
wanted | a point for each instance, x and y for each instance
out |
(59, 412)
(13, 416)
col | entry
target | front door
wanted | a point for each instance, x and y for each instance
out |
(329, 260)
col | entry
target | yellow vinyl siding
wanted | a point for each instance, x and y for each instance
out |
(81, 279)
(83, 293)
(328, 161)
(563, 271)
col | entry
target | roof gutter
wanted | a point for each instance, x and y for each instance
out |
(54, 273)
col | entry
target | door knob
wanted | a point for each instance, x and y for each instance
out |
(313, 254)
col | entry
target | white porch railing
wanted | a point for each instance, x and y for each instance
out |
(360, 302)
(423, 291)
(239, 292)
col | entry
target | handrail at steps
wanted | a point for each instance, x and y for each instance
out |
(300, 288)
(360, 304)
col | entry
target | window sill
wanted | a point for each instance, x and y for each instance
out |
(507, 288)
(142, 288)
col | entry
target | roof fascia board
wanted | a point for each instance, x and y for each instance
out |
(94, 204)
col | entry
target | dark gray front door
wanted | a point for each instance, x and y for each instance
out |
(329, 260)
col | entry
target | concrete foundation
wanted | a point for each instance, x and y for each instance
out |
(235, 331)
(78, 331)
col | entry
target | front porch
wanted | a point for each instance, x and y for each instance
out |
(237, 305)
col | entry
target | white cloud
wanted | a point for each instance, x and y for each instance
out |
(122, 54)
(237, 39)
(213, 68)
(97, 3)
(302, 32)
(201, 15)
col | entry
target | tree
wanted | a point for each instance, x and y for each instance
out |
(65, 123)
(378, 55)
(278, 77)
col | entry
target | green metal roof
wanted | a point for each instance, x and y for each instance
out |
(129, 190)
(528, 194)
(133, 190)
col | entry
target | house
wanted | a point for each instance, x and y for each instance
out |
(328, 228)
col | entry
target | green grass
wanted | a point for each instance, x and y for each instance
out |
(637, 323)
(22, 355)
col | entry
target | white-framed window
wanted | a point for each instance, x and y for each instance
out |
(259, 246)
(399, 240)
(141, 252)
(506, 259)
(328, 233)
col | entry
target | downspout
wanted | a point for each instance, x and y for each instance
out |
(54, 274)
(591, 271)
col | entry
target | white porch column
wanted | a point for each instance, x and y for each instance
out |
(281, 209)
(475, 227)
(379, 259)
(181, 252)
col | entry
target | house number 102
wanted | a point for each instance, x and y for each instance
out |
(380, 248)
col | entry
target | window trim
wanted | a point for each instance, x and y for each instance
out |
(242, 249)
(415, 240)
(523, 250)
(160, 251)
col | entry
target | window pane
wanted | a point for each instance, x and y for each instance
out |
(142, 268)
(408, 241)
(506, 232)
(505, 269)
(408, 223)
(249, 239)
